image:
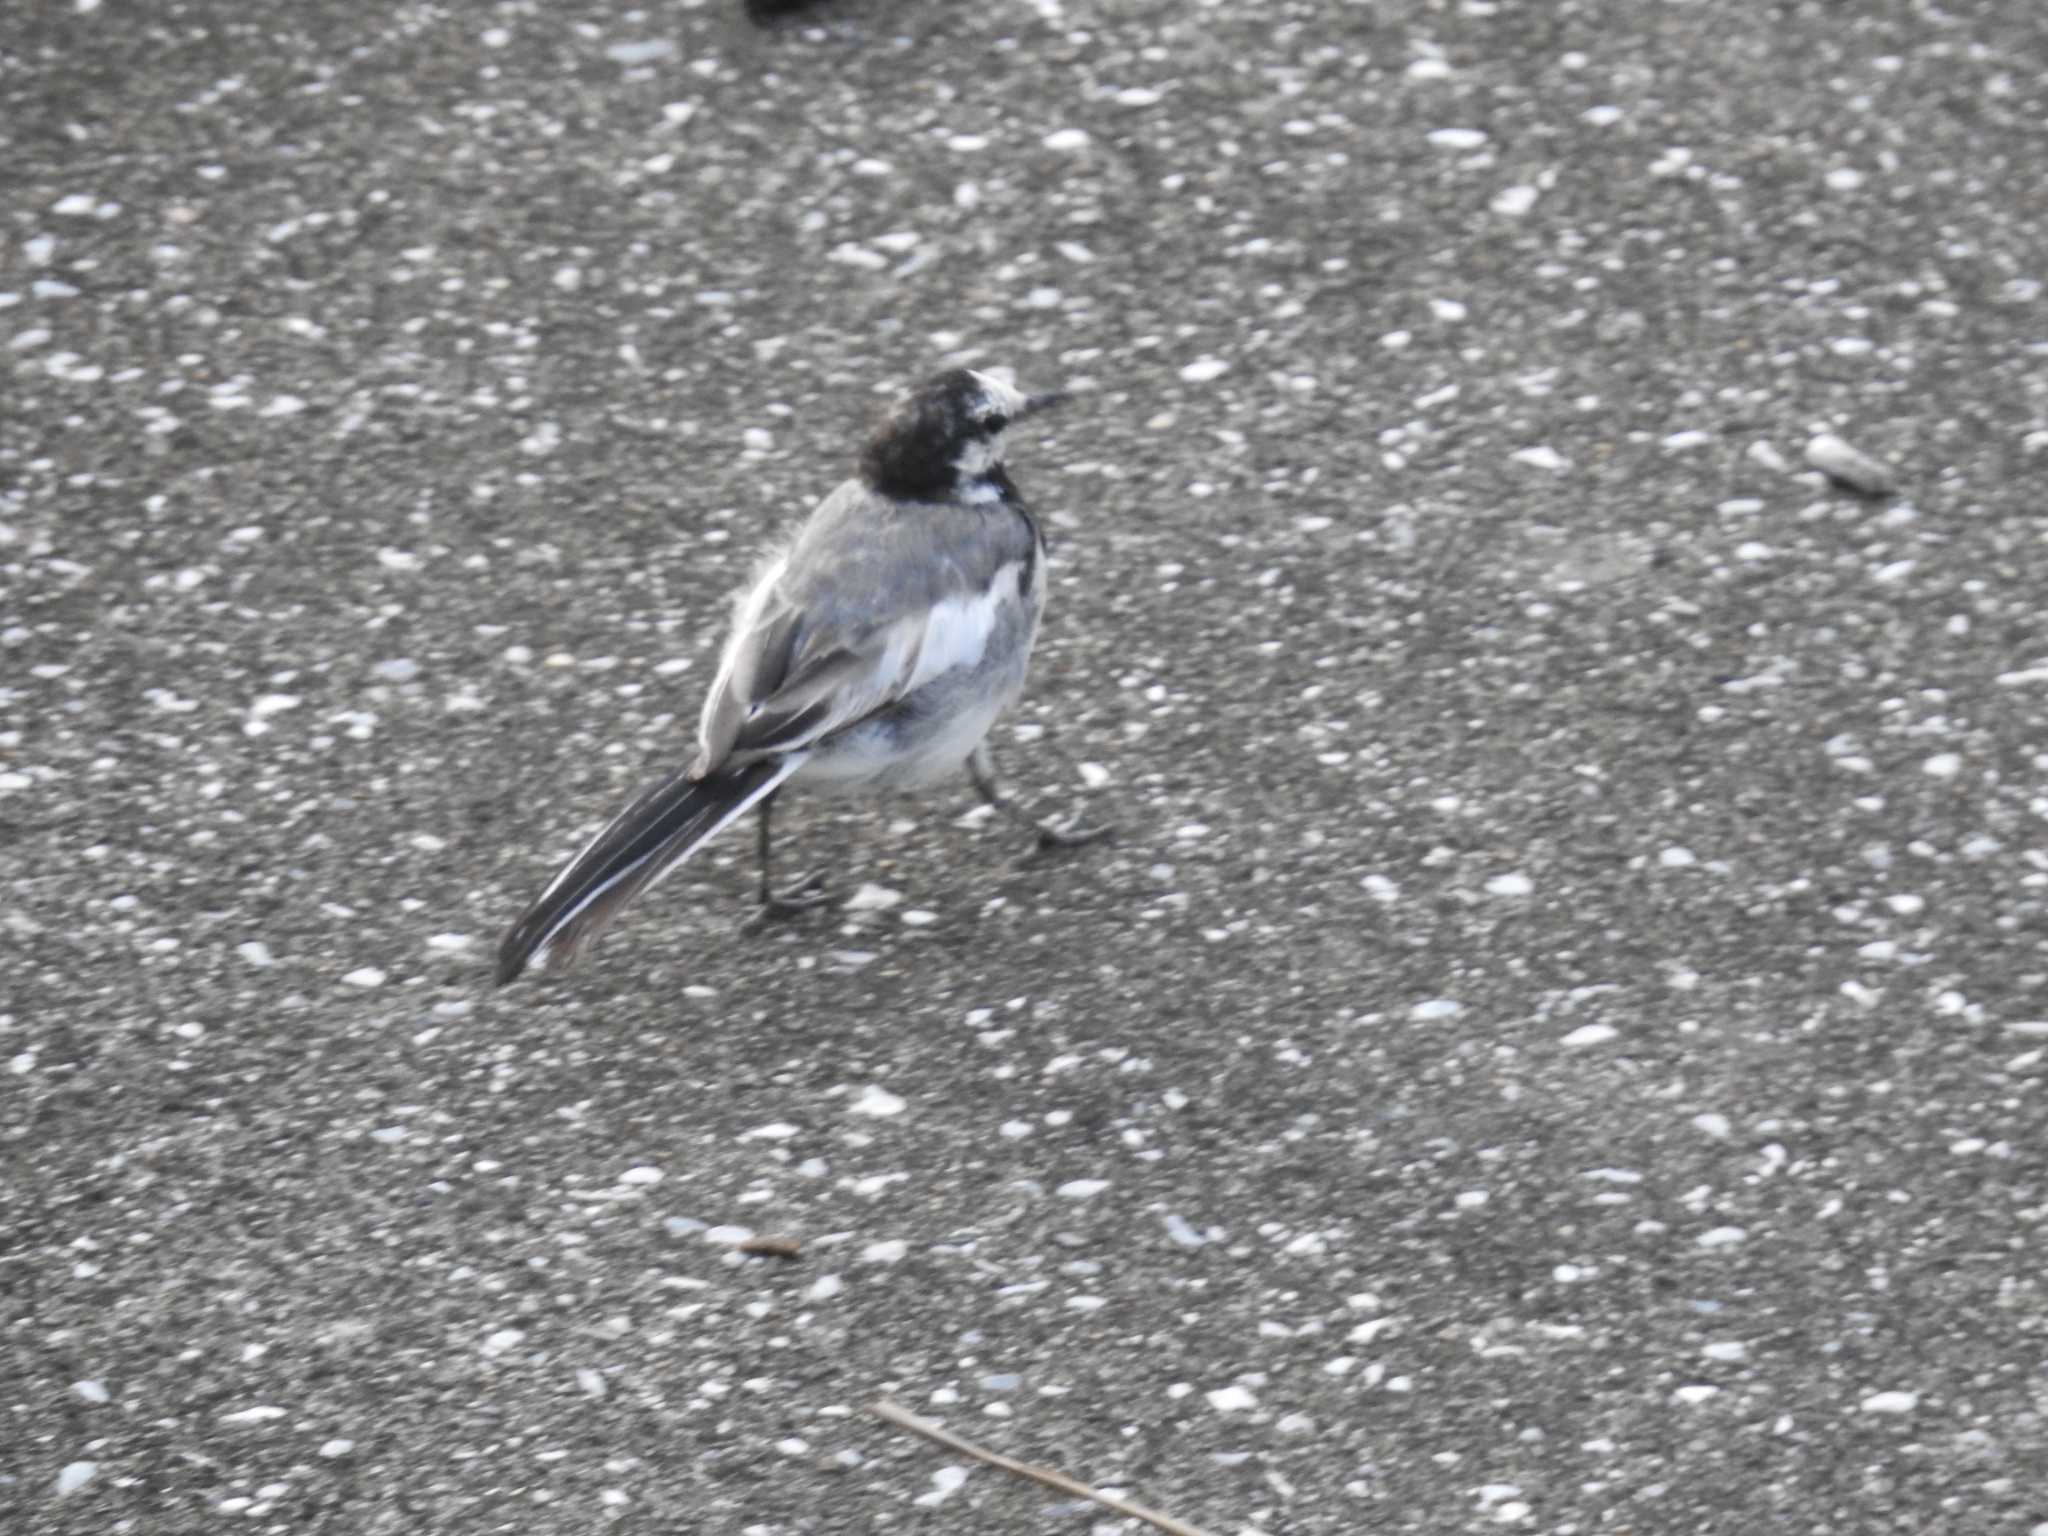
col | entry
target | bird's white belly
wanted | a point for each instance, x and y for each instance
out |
(869, 759)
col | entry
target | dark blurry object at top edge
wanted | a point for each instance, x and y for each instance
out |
(775, 10)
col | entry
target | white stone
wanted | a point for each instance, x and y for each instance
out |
(258, 1415)
(1542, 456)
(1851, 466)
(497, 1343)
(74, 1476)
(877, 1101)
(1589, 1034)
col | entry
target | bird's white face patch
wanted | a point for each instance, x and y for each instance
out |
(997, 398)
(985, 453)
(977, 459)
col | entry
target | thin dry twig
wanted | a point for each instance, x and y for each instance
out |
(895, 1413)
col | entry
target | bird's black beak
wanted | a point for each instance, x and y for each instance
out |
(1033, 404)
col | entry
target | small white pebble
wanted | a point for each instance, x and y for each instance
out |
(365, 976)
(1202, 370)
(1589, 1034)
(1513, 202)
(1510, 885)
(1231, 1400)
(258, 1415)
(643, 1174)
(1891, 1402)
(1722, 1237)
(1849, 465)
(641, 52)
(74, 1476)
(877, 1101)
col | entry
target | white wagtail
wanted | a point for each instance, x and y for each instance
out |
(870, 654)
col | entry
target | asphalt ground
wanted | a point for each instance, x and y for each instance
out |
(1557, 1043)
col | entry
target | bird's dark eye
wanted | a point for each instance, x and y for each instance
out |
(991, 425)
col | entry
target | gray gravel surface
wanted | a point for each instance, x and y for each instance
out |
(1558, 1042)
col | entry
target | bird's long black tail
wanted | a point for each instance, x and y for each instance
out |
(654, 834)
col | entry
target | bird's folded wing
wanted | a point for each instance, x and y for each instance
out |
(834, 681)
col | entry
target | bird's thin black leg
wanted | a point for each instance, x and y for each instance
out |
(981, 767)
(805, 894)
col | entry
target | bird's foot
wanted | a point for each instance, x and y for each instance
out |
(804, 895)
(1069, 834)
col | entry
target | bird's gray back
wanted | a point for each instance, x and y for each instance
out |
(864, 560)
(843, 624)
